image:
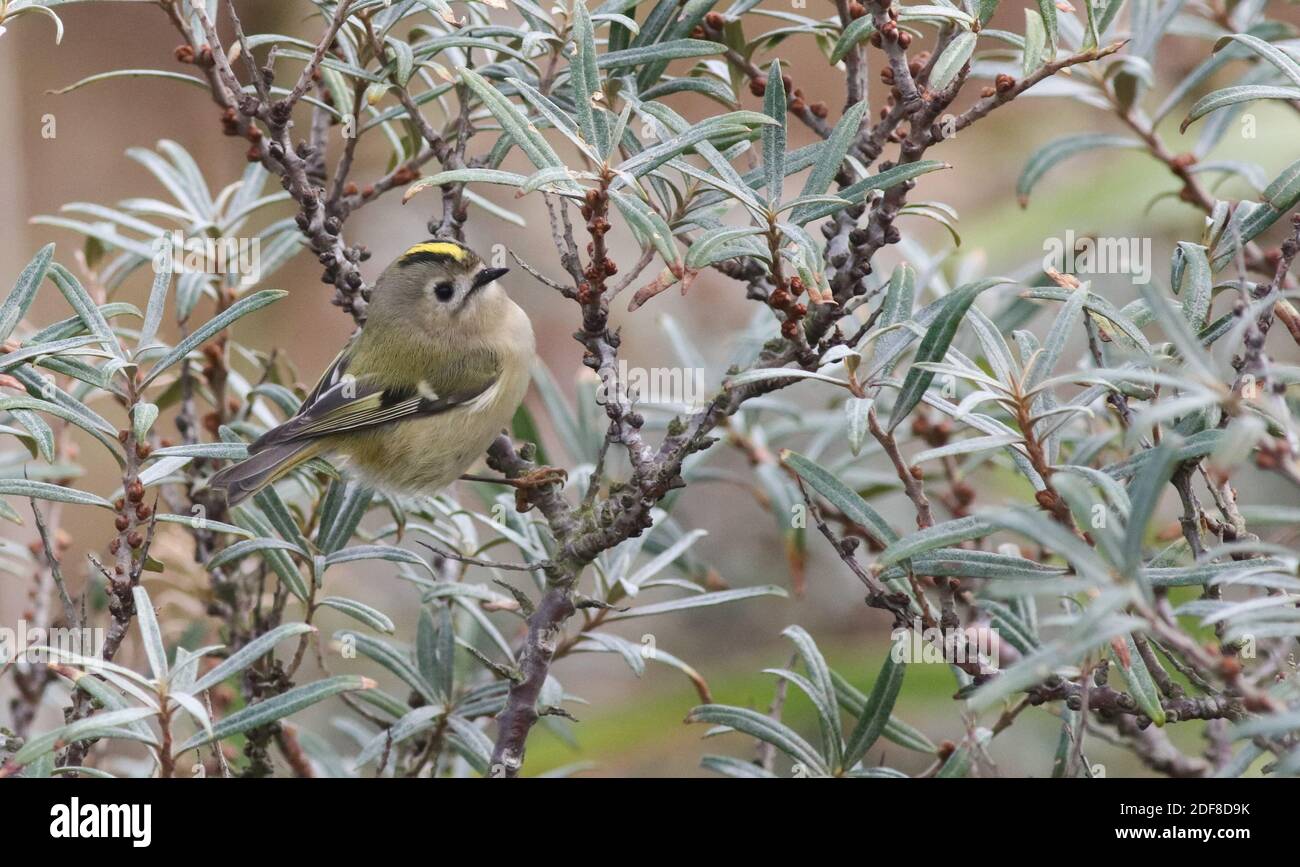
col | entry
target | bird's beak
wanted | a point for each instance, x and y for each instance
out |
(487, 275)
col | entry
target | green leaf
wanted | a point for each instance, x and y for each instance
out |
(764, 728)
(1062, 329)
(1267, 50)
(859, 29)
(213, 326)
(1144, 497)
(841, 497)
(586, 82)
(937, 536)
(774, 146)
(248, 654)
(702, 600)
(398, 662)
(1035, 43)
(31, 351)
(1061, 149)
(819, 676)
(934, 346)
(716, 241)
(739, 769)
(672, 50)
(143, 415)
(953, 58)
(20, 297)
(85, 307)
(512, 120)
(882, 181)
(465, 176)
(831, 158)
(239, 550)
(1193, 281)
(372, 617)
(150, 633)
(391, 553)
(649, 224)
(47, 491)
(337, 524)
(1140, 683)
(80, 730)
(876, 711)
(131, 73)
(153, 313)
(1230, 96)
(1047, 11)
(276, 708)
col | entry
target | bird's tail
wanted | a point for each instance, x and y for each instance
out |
(242, 480)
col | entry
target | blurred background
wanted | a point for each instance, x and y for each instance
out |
(631, 726)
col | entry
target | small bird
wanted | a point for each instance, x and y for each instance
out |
(420, 392)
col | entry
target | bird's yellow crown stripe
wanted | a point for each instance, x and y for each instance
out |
(438, 248)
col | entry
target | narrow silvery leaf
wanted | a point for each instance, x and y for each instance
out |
(218, 323)
(276, 708)
(819, 675)
(764, 728)
(1140, 683)
(1062, 329)
(934, 346)
(672, 50)
(143, 415)
(150, 633)
(1230, 96)
(953, 58)
(512, 120)
(396, 661)
(831, 157)
(20, 297)
(1047, 10)
(1035, 43)
(79, 730)
(1061, 149)
(1286, 64)
(1144, 496)
(855, 411)
(882, 181)
(587, 96)
(937, 536)
(1193, 281)
(372, 617)
(1179, 333)
(47, 491)
(153, 313)
(703, 600)
(465, 176)
(876, 711)
(391, 553)
(239, 550)
(84, 305)
(774, 134)
(841, 496)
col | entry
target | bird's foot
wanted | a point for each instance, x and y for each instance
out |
(540, 477)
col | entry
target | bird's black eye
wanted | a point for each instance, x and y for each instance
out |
(444, 291)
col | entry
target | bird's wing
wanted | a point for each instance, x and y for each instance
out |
(353, 404)
(332, 375)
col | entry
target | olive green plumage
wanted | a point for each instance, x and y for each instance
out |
(418, 395)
